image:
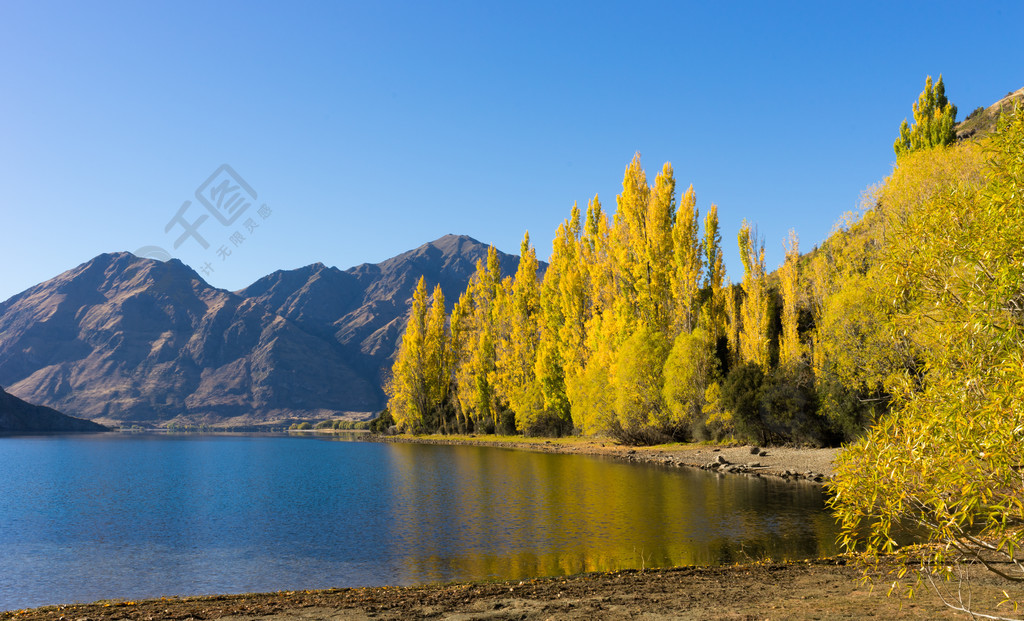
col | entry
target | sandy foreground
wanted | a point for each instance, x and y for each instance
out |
(803, 590)
(819, 589)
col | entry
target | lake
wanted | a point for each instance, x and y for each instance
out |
(129, 516)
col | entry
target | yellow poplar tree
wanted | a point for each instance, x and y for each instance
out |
(439, 359)
(636, 334)
(574, 297)
(465, 336)
(686, 276)
(475, 373)
(934, 121)
(560, 352)
(409, 398)
(754, 310)
(629, 245)
(790, 350)
(517, 356)
(459, 327)
(587, 389)
(661, 211)
(714, 275)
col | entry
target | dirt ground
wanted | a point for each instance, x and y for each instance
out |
(825, 589)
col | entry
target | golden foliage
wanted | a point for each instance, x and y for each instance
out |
(947, 461)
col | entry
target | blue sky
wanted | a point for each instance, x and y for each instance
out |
(370, 128)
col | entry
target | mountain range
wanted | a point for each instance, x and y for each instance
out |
(128, 340)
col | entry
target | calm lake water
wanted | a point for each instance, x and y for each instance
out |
(106, 516)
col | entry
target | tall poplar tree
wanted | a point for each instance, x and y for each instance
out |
(459, 326)
(688, 262)
(790, 350)
(439, 359)
(517, 355)
(575, 297)
(635, 339)
(588, 390)
(475, 373)
(561, 354)
(754, 309)
(714, 274)
(934, 121)
(597, 258)
(629, 246)
(550, 365)
(661, 211)
(409, 397)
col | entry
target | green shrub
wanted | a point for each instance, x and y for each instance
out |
(382, 422)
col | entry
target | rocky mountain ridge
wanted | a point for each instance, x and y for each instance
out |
(122, 339)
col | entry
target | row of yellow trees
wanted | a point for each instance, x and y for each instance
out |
(914, 309)
(633, 331)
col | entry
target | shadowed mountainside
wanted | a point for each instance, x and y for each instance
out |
(17, 416)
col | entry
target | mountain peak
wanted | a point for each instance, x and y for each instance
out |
(452, 238)
(124, 338)
(455, 244)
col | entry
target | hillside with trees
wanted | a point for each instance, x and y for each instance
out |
(634, 331)
(944, 465)
(902, 333)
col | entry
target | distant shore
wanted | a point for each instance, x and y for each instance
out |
(821, 589)
(811, 464)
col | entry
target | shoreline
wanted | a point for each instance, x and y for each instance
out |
(817, 589)
(803, 464)
(746, 591)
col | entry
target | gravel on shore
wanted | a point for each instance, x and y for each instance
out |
(821, 589)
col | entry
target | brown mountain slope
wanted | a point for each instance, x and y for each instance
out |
(123, 339)
(363, 309)
(982, 121)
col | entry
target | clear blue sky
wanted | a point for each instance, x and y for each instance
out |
(370, 128)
